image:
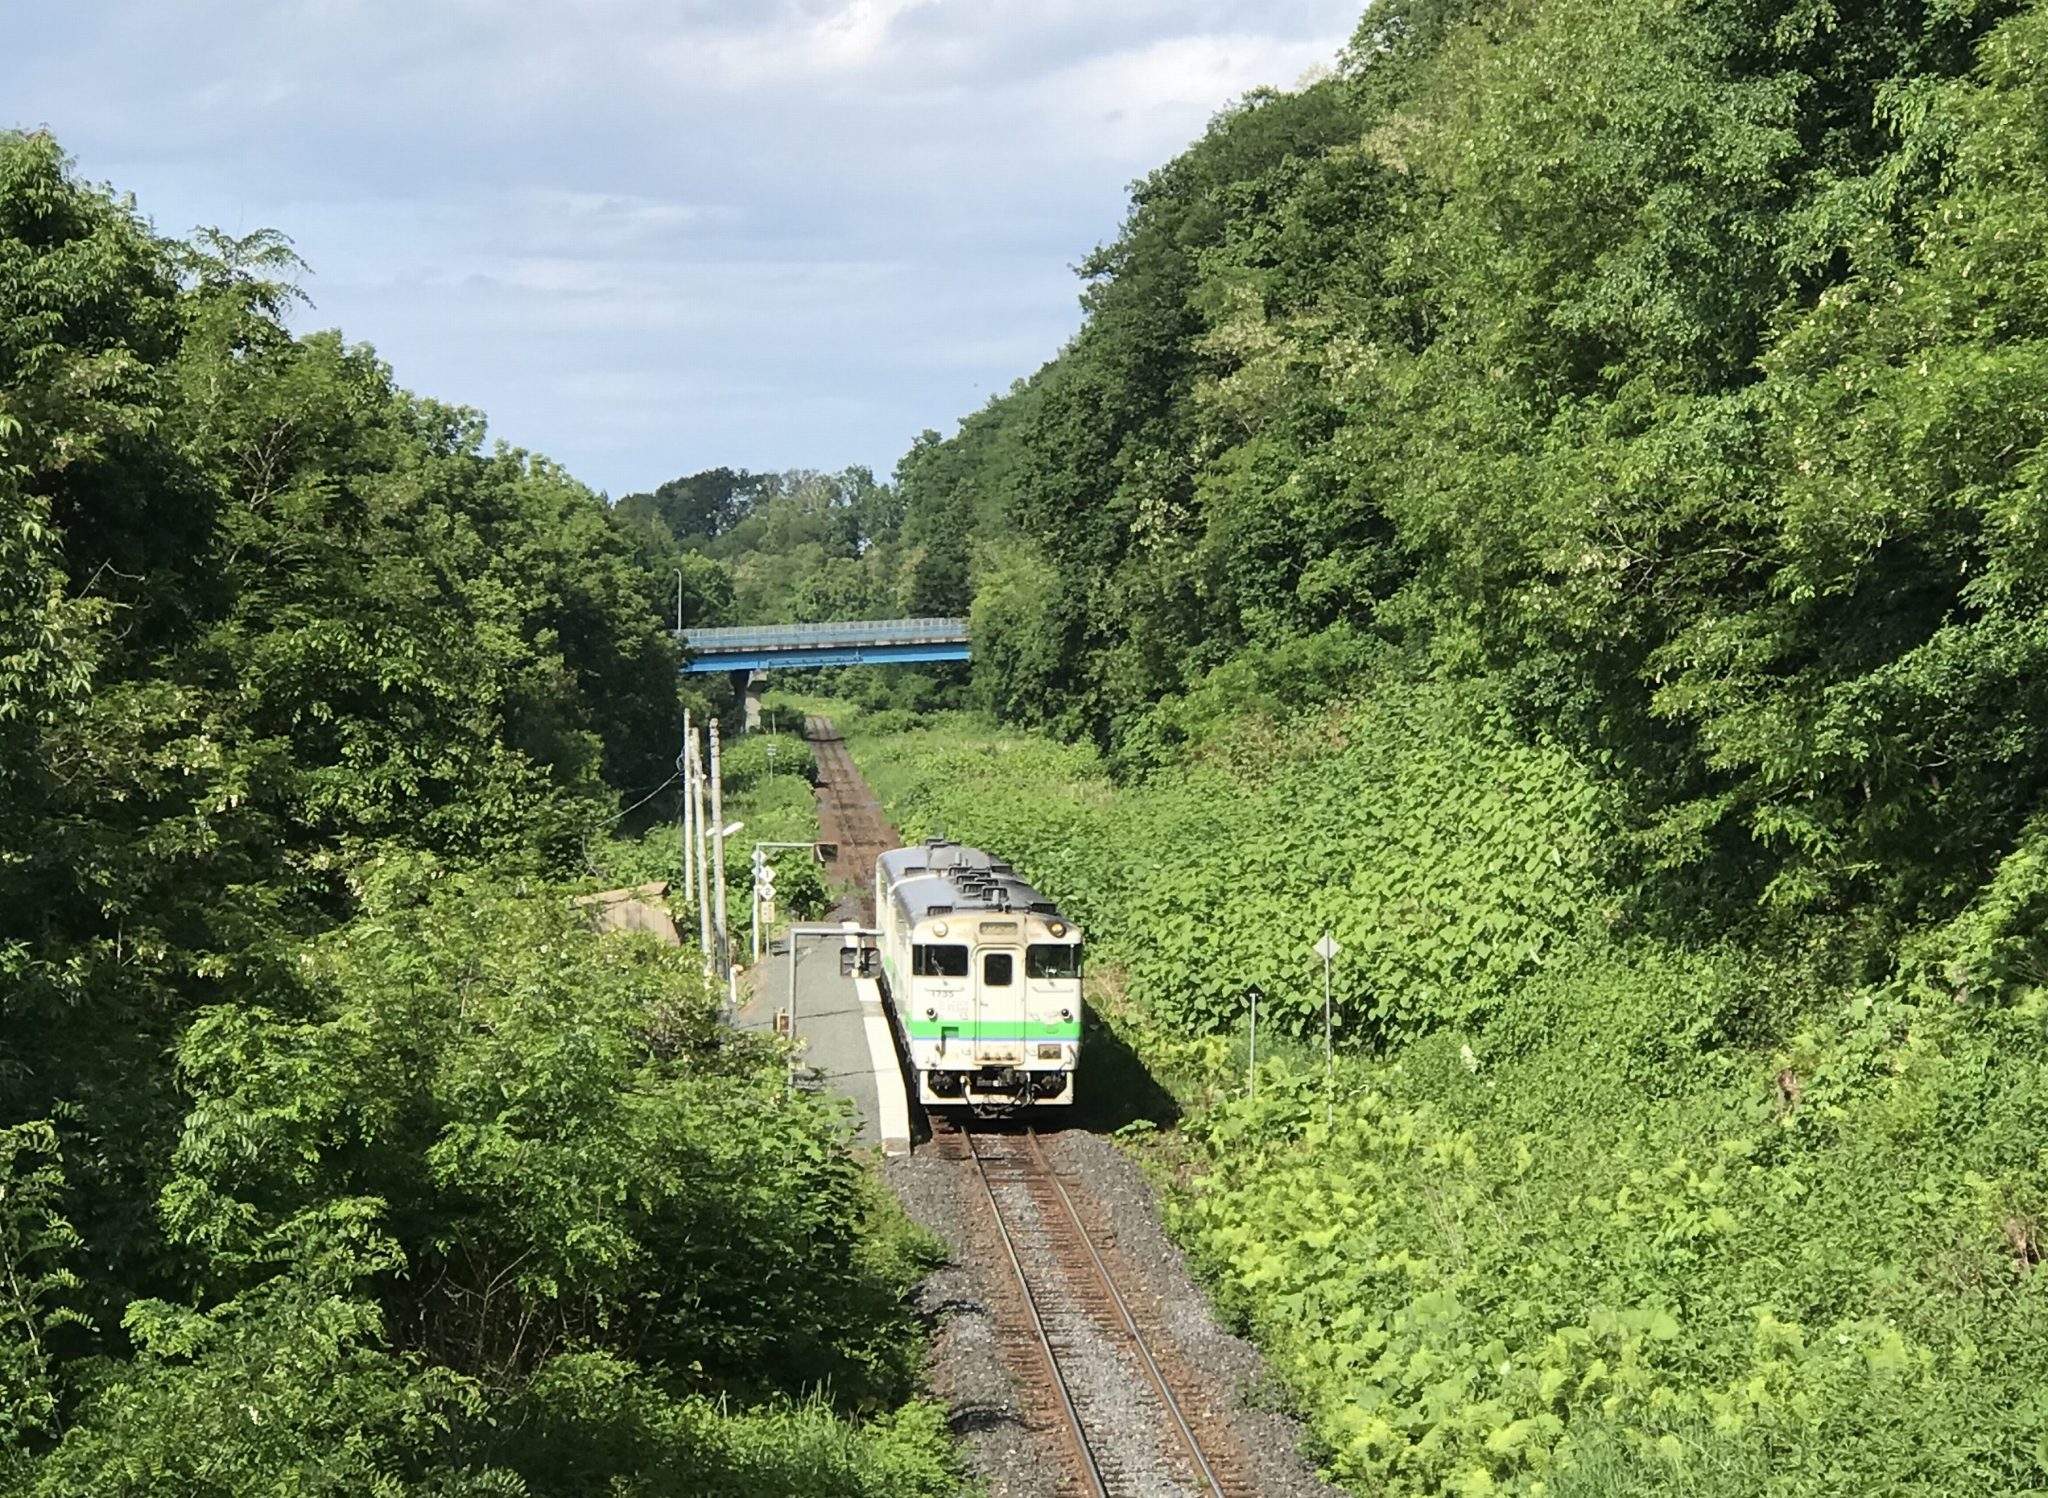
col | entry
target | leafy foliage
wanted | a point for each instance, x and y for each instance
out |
(1449, 859)
(336, 1154)
(1588, 1210)
(1671, 365)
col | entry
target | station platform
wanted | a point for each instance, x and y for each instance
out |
(845, 1043)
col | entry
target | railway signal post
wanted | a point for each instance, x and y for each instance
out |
(764, 886)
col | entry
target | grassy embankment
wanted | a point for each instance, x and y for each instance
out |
(1590, 1210)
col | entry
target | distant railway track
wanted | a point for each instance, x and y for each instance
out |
(1077, 1340)
(850, 816)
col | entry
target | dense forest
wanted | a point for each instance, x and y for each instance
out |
(1677, 368)
(1558, 504)
(337, 1154)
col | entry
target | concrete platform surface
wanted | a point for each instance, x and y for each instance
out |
(845, 1044)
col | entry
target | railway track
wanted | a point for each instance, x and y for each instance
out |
(1077, 1342)
(850, 816)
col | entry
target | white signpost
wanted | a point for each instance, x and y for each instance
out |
(764, 888)
(764, 895)
(1253, 995)
(1327, 949)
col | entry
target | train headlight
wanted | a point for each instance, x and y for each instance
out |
(1066, 1014)
(1058, 928)
(939, 929)
(931, 1014)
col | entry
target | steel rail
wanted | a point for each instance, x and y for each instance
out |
(1123, 1311)
(1096, 1483)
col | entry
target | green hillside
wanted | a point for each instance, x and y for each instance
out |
(1557, 503)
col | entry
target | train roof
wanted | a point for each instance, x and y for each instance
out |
(939, 877)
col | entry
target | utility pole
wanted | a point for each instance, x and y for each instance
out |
(684, 762)
(718, 857)
(699, 836)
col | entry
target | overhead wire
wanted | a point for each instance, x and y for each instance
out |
(649, 796)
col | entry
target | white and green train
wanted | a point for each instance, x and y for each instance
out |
(984, 978)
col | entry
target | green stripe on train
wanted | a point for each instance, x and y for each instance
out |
(928, 1029)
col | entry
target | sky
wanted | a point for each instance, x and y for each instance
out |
(648, 237)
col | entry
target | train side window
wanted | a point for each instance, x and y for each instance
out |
(1043, 960)
(930, 960)
(998, 969)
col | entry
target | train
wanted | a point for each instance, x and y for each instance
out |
(984, 980)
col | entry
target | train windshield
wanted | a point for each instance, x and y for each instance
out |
(930, 960)
(1046, 961)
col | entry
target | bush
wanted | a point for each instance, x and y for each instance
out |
(1587, 1212)
(1449, 859)
(746, 760)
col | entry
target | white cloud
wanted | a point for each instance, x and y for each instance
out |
(566, 221)
(850, 37)
(803, 229)
(1147, 102)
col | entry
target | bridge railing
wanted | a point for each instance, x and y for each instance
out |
(856, 632)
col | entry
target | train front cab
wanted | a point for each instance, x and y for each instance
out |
(996, 1021)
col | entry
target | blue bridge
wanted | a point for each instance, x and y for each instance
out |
(869, 642)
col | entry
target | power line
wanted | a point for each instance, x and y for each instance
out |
(649, 796)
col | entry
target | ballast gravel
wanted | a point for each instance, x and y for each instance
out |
(1121, 1412)
(967, 1369)
(1225, 1371)
(1212, 1369)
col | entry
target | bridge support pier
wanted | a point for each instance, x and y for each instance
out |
(748, 686)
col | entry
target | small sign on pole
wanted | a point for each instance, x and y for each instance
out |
(1327, 949)
(1253, 995)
